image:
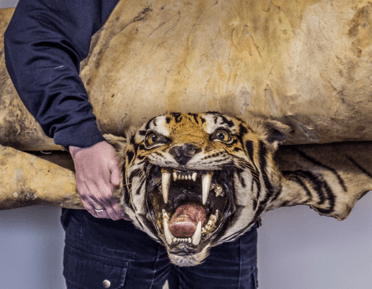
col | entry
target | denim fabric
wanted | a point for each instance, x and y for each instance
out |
(100, 249)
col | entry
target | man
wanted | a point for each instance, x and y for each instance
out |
(44, 44)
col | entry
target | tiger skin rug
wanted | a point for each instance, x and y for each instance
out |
(194, 181)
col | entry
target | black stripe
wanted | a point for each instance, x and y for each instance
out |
(263, 164)
(322, 189)
(126, 194)
(213, 112)
(316, 183)
(130, 156)
(138, 221)
(293, 177)
(142, 132)
(139, 189)
(148, 123)
(340, 180)
(215, 119)
(241, 179)
(285, 204)
(241, 134)
(249, 148)
(233, 142)
(221, 160)
(177, 116)
(229, 123)
(134, 173)
(364, 171)
(262, 153)
(244, 164)
(277, 193)
(132, 139)
(363, 194)
(195, 116)
(242, 129)
(254, 202)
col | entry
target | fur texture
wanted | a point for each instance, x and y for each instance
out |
(241, 157)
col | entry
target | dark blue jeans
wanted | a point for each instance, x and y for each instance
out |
(102, 252)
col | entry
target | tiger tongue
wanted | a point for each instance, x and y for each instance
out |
(185, 219)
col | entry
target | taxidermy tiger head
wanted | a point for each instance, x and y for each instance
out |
(193, 181)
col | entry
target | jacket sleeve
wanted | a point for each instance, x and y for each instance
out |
(44, 44)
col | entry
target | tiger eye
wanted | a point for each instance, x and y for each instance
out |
(151, 138)
(222, 135)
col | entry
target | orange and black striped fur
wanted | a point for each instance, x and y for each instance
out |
(235, 172)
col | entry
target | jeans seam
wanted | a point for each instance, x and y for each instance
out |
(156, 261)
(96, 255)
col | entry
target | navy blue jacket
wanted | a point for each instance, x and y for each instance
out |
(44, 44)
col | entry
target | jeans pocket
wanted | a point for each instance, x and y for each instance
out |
(89, 271)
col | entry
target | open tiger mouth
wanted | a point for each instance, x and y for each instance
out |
(189, 207)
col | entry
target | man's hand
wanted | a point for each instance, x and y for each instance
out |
(97, 172)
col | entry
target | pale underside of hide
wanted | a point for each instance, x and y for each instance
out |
(305, 63)
(33, 179)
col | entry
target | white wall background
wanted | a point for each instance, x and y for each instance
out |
(8, 3)
(298, 249)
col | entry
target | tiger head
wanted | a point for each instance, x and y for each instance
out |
(193, 181)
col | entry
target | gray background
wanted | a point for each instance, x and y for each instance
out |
(297, 248)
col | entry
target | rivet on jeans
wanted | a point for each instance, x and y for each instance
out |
(106, 283)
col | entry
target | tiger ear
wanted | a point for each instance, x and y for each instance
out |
(276, 132)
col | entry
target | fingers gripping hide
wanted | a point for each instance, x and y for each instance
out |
(97, 172)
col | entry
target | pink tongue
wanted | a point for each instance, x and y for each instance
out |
(185, 219)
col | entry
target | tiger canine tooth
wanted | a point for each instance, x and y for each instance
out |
(197, 235)
(165, 214)
(194, 175)
(165, 183)
(168, 235)
(206, 184)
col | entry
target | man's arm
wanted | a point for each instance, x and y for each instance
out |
(44, 44)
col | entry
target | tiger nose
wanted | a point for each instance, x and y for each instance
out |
(182, 154)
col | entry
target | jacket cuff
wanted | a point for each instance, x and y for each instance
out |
(82, 135)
